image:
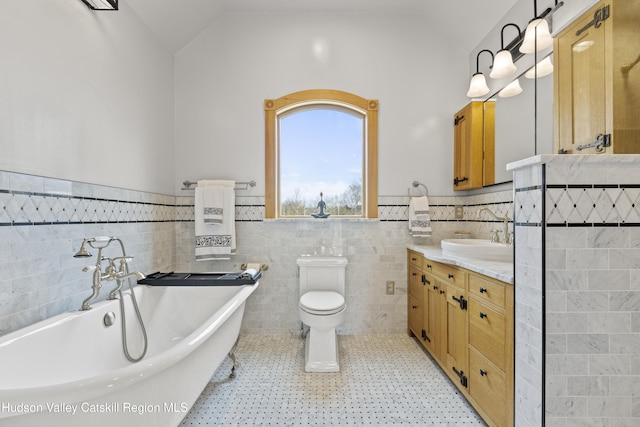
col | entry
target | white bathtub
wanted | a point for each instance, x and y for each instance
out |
(70, 369)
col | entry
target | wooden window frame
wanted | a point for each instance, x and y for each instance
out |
(274, 107)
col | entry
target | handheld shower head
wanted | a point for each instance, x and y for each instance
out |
(83, 253)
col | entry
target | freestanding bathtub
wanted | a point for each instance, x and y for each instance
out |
(70, 370)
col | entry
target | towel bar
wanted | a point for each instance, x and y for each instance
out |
(188, 184)
(416, 184)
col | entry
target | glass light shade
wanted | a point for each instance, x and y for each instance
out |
(542, 68)
(538, 28)
(478, 86)
(503, 65)
(512, 89)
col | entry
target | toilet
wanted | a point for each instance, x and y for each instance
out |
(322, 308)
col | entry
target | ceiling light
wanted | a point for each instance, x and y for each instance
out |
(542, 68)
(512, 89)
(101, 4)
(478, 85)
(537, 36)
(503, 64)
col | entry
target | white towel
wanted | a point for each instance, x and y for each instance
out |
(419, 219)
(215, 236)
(210, 201)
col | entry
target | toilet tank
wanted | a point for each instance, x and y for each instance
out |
(322, 273)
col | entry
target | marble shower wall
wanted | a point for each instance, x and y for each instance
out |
(43, 222)
(587, 267)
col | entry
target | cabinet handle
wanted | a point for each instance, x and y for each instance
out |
(414, 306)
(435, 288)
(483, 290)
(483, 315)
(457, 180)
(414, 259)
(461, 301)
(429, 266)
(415, 274)
(451, 276)
(441, 292)
(483, 372)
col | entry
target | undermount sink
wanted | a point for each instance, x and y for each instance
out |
(479, 249)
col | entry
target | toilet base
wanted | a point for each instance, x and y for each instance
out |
(321, 351)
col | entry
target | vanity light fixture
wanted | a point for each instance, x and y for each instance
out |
(542, 68)
(537, 36)
(512, 89)
(503, 63)
(101, 4)
(478, 85)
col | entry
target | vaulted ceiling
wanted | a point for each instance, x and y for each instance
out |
(177, 22)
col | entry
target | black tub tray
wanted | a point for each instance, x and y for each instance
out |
(200, 279)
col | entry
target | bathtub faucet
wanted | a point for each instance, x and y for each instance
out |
(110, 272)
(121, 274)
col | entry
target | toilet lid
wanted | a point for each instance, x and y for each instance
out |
(322, 302)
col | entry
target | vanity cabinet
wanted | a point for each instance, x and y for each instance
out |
(491, 347)
(467, 326)
(595, 83)
(473, 147)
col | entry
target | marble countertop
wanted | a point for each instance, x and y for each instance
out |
(502, 271)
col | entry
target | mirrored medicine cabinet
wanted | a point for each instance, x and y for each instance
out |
(522, 124)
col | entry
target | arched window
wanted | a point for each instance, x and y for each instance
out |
(321, 141)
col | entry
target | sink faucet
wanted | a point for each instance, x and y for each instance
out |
(505, 225)
(110, 272)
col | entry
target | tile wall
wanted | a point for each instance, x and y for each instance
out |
(590, 279)
(43, 222)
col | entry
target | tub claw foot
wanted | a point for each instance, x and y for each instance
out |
(232, 356)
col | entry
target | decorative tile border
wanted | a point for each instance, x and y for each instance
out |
(593, 205)
(21, 208)
(528, 206)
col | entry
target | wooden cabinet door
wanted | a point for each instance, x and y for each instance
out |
(456, 334)
(468, 147)
(580, 85)
(415, 315)
(433, 316)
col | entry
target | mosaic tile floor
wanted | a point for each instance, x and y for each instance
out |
(384, 380)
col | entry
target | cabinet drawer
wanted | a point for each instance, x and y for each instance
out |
(488, 387)
(487, 290)
(415, 283)
(414, 258)
(487, 332)
(448, 273)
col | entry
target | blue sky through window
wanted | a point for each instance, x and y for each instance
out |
(321, 150)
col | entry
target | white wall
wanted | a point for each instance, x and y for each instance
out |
(223, 77)
(85, 95)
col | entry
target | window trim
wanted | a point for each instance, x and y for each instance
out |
(274, 107)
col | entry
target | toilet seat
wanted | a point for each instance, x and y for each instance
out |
(322, 302)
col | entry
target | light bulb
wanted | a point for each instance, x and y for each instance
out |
(536, 37)
(512, 89)
(503, 65)
(542, 68)
(478, 86)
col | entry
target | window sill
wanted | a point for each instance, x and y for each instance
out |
(321, 220)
